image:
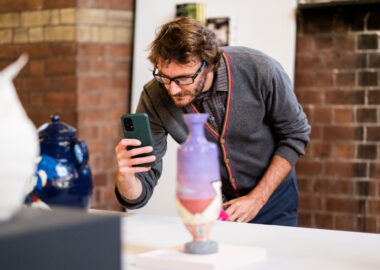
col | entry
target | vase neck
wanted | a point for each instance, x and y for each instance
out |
(195, 124)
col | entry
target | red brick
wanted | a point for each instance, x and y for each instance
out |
(314, 97)
(345, 222)
(324, 79)
(344, 97)
(96, 146)
(37, 50)
(342, 133)
(323, 115)
(36, 67)
(343, 60)
(343, 150)
(373, 134)
(91, 83)
(67, 116)
(326, 186)
(120, 82)
(374, 97)
(307, 62)
(344, 115)
(345, 43)
(60, 99)
(116, 113)
(308, 167)
(116, 207)
(112, 99)
(59, 4)
(36, 99)
(35, 4)
(304, 44)
(13, 5)
(123, 4)
(9, 51)
(374, 60)
(24, 99)
(109, 194)
(309, 111)
(374, 207)
(316, 132)
(85, 3)
(322, 149)
(310, 202)
(100, 179)
(4, 64)
(324, 221)
(367, 151)
(60, 67)
(104, 4)
(102, 66)
(87, 132)
(91, 116)
(121, 51)
(111, 131)
(345, 205)
(345, 79)
(304, 220)
(67, 50)
(323, 43)
(305, 184)
(367, 224)
(91, 49)
(88, 99)
(64, 83)
(346, 169)
(83, 67)
(368, 78)
(303, 79)
(121, 67)
(374, 170)
(39, 117)
(36, 83)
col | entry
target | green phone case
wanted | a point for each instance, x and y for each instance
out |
(141, 131)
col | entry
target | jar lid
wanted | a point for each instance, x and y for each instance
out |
(56, 130)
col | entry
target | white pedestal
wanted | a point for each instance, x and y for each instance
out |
(228, 257)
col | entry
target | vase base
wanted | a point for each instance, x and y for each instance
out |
(204, 247)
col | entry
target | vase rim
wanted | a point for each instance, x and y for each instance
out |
(196, 116)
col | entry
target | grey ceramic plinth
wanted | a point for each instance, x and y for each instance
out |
(206, 247)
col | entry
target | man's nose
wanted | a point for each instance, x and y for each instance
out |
(173, 88)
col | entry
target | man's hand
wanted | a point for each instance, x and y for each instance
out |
(128, 184)
(242, 209)
(245, 208)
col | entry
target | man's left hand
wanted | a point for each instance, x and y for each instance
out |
(242, 209)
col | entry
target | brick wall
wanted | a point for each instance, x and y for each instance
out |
(79, 68)
(338, 83)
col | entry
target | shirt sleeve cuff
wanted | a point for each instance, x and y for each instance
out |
(130, 204)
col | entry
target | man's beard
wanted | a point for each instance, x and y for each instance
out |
(193, 94)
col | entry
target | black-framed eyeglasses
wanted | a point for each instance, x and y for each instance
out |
(180, 80)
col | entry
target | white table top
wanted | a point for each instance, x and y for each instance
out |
(287, 247)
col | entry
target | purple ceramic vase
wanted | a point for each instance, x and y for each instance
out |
(198, 185)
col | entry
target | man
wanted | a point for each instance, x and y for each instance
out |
(255, 120)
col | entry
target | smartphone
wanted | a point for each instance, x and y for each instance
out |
(136, 126)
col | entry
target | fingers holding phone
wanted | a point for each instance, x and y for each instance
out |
(136, 158)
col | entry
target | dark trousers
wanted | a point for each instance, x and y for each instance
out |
(282, 206)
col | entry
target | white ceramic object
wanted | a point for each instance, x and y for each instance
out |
(19, 146)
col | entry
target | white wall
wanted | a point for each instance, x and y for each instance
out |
(267, 25)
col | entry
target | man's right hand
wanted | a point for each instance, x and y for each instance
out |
(127, 183)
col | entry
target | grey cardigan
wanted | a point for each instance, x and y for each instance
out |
(263, 118)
